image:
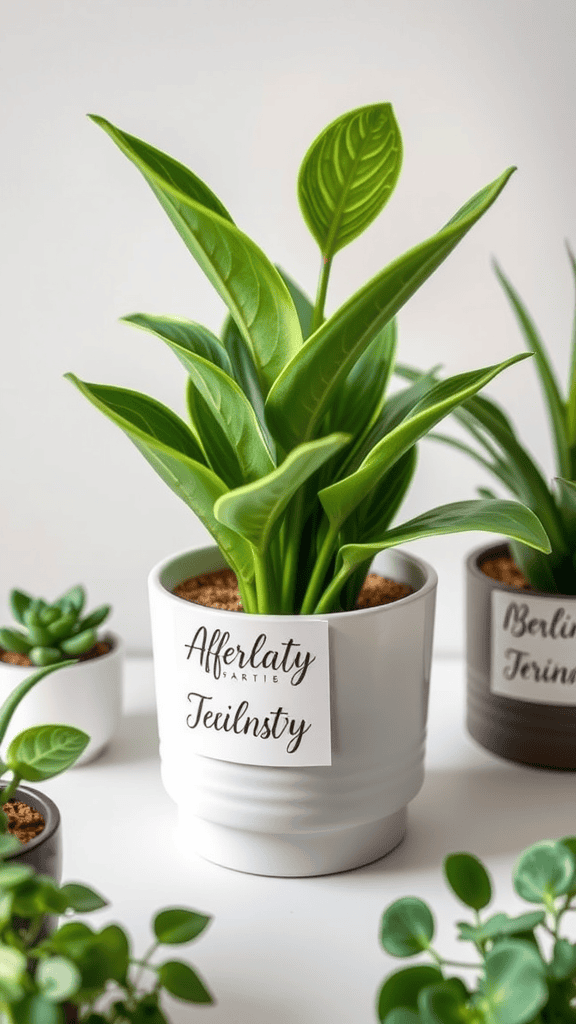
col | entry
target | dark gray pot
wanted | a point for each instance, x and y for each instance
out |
(44, 852)
(541, 735)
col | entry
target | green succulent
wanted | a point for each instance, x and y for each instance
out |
(52, 632)
(293, 456)
(518, 978)
(497, 448)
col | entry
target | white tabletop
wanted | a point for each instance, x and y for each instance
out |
(298, 951)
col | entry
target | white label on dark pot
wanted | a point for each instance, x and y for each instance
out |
(254, 691)
(534, 647)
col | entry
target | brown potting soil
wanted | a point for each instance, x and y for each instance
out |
(100, 647)
(219, 589)
(24, 821)
(504, 570)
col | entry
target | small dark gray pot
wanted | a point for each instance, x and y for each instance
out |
(539, 734)
(44, 851)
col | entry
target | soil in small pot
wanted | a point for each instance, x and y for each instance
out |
(100, 647)
(219, 589)
(503, 569)
(24, 822)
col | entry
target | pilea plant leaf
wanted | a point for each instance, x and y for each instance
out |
(348, 175)
(186, 334)
(468, 879)
(342, 497)
(401, 990)
(182, 981)
(58, 978)
(545, 871)
(445, 1002)
(407, 927)
(45, 750)
(300, 397)
(500, 925)
(242, 275)
(253, 510)
(513, 988)
(81, 898)
(176, 925)
(197, 485)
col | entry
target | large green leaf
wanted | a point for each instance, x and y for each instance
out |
(513, 989)
(242, 275)
(299, 399)
(550, 387)
(348, 174)
(253, 510)
(342, 497)
(185, 333)
(197, 485)
(244, 368)
(45, 750)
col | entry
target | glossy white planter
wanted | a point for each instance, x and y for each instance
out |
(308, 820)
(87, 695)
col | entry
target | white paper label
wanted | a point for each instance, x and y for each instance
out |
(533, 648)
(256, 692)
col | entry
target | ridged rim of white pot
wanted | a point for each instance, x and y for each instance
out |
(429, 575)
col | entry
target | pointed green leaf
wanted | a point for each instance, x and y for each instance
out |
(185, 333)
(303, 305)
(513, 988)
(401, 990)
(19, 603)
(342, 497)
(468, 879)
(15, 640)
(75, 597)
(176, 925)
(360, 398)
(96, 618)
(45, 750)
(348, 175)
(303, 392)
(81, 898)
(544, 871)
(242, 275)
(407, 927)
(198, 486)
(181, 981)
(253, 510)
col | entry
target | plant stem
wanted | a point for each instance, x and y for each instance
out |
(318, 315)
(291, 552)
(262, 584)
(11, 788)
(314, 588)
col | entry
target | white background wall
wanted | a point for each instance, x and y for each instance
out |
(237, 89)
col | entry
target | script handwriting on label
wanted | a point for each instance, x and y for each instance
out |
(533, 654)
(255, 692)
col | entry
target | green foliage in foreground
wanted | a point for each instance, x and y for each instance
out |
(292, 456)
(52, 632)
(496, 447)
(523, 968)
(88, 974)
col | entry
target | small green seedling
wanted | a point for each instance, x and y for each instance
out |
(52, 632)
(38, 753)
(524, 969)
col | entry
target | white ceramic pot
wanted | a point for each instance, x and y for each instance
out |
(87, 695)
(299, 821)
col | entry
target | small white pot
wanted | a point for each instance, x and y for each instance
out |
(300, 821)
(87, 695)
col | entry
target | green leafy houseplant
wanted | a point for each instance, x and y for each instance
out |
(525, 969)
(38, 753)
(77, 973)
(52, 632)
(497, 448)
(293, 458)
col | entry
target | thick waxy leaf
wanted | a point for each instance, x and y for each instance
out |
(468, 879)
(79, 644)
(228, 419)
(57, 978)
(76, 597)
(45, 750)
(19, 692)
(185, 333)
(407, 927)
(19, 603)
(95, 618)
(177, 925)
(544, 871)
(197, 485)
(501, 925)
(248, 283)
(253, 510)
(341, 498)
(181, 981)
(401, 990)
(301, 396)
(14, 640)
(550, 387)
(81, 898)
(513, 988)
(348, 174)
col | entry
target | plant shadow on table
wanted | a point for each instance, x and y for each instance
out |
(498, 810)
(135, 740)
